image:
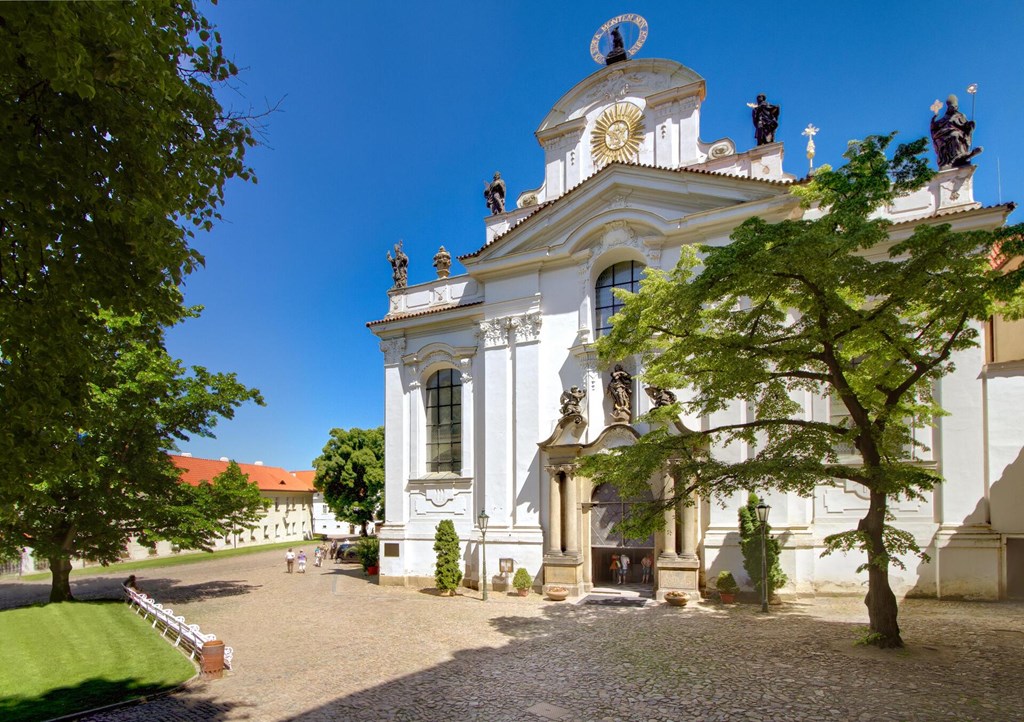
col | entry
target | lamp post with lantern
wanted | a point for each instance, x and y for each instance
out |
(482, 523)
(762, 518)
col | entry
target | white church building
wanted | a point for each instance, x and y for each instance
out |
(475, 365)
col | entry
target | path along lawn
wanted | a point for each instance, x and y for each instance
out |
(74, 656)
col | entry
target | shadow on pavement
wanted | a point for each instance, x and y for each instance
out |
(90, 694)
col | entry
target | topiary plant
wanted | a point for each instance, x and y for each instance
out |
(448, 571)
(750, 545)
(726, 582)
(522, 579)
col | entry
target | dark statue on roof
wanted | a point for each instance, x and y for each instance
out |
(399, 266)
(951, 135)
(494, 194)
(618, 52)
(766, 120)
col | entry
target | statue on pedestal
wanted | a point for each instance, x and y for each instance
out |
(399, 266)
(618, 52)
(951, 135)
(766, 120)
(443, 263)
(620, 388)
(571, 403)
(660, 397)
(494, 194)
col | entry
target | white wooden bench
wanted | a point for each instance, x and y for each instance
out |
(173, 628)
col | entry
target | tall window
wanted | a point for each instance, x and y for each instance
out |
(625, 275)
(444, 421)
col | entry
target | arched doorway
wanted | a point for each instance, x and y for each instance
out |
(606, 509)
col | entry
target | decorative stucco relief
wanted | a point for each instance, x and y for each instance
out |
(526, 328)
(494, 332)
(393, 349)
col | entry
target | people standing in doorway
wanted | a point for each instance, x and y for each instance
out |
(623, 568)
(614, 568)
(289, 559)
(646, 563)
(302, 561)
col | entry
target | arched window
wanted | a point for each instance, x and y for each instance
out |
(627, 275)
(444, 421)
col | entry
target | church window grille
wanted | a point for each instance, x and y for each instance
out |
(444, 421)
(625, 275)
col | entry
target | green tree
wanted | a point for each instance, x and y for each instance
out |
(830, 306)
(750, 545)
(116, 153)
(234, 501)
(448, 570)
(140, 401)
(350, 473)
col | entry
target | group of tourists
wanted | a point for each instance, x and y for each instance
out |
(320, 553)
(621, 564)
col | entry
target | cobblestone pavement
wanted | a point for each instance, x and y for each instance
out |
(329, 645)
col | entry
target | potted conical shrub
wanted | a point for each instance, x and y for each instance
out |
(727, 587)
(447, 572)
(522, 581)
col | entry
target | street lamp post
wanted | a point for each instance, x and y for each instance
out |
(762, 517)
(482, 523)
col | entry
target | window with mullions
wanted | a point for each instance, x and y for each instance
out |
(444, 421)
(626, 275)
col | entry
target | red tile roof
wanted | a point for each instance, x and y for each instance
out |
(268, 478)
(417, 314)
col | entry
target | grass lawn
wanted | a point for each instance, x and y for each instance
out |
(74, 656)
(172, 561)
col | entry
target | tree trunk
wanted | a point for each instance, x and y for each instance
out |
(60, 589)
(880, 601)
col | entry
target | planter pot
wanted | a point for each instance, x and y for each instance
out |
(556, 596)
(372, 570)
(727, 597)
(522, 592)
(676, 601)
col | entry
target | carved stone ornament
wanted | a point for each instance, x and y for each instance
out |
(571, 401)
(526, 328)
(399, 266)
(620, 389)
(393, 349)
(443, 263)
(660, 397)
(494, 332)
(951, 135)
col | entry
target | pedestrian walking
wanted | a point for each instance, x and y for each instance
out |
(318, 554)
(289, 559)
(614, 568)
(623, 568)
(646, 563)
(302, 562)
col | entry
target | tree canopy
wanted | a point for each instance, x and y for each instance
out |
(828, 306)
(116, 152)
(350, 473)
(123, 484)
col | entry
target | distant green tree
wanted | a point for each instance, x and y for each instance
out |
(350, 473)
(121, 483)
(448, 571)
(116, 153)
(829, 305)
(233, 500)
(750, 545)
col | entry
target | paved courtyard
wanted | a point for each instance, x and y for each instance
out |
(329, 645)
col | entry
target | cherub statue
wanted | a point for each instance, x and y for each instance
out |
(660, 397)
(571, 402)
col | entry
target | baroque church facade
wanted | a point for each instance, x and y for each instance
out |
(476, 366)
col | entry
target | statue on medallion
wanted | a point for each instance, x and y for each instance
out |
(494, 194)
(620, 388)
(951, 135)
(399, 266)
(766, 120)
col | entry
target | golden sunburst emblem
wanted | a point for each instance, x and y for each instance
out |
(617, 134)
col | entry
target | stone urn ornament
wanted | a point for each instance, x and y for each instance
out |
(558, 594)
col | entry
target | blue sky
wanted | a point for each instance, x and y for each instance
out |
(393, 115)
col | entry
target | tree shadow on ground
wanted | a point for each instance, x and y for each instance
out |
(163, 589)
(708, 661)
(95, 693)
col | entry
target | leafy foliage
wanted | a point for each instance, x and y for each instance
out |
(824, 306)
(121, 483)
(522, 579)
(448, 570)
(116, 153)
(726, 582)
(750, 545)
(350, 473)
(368, 551)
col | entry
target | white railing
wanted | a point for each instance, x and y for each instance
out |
(182, 633)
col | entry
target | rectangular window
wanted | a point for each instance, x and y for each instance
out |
(444, 421)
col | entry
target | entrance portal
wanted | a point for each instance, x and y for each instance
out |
(606, 510)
